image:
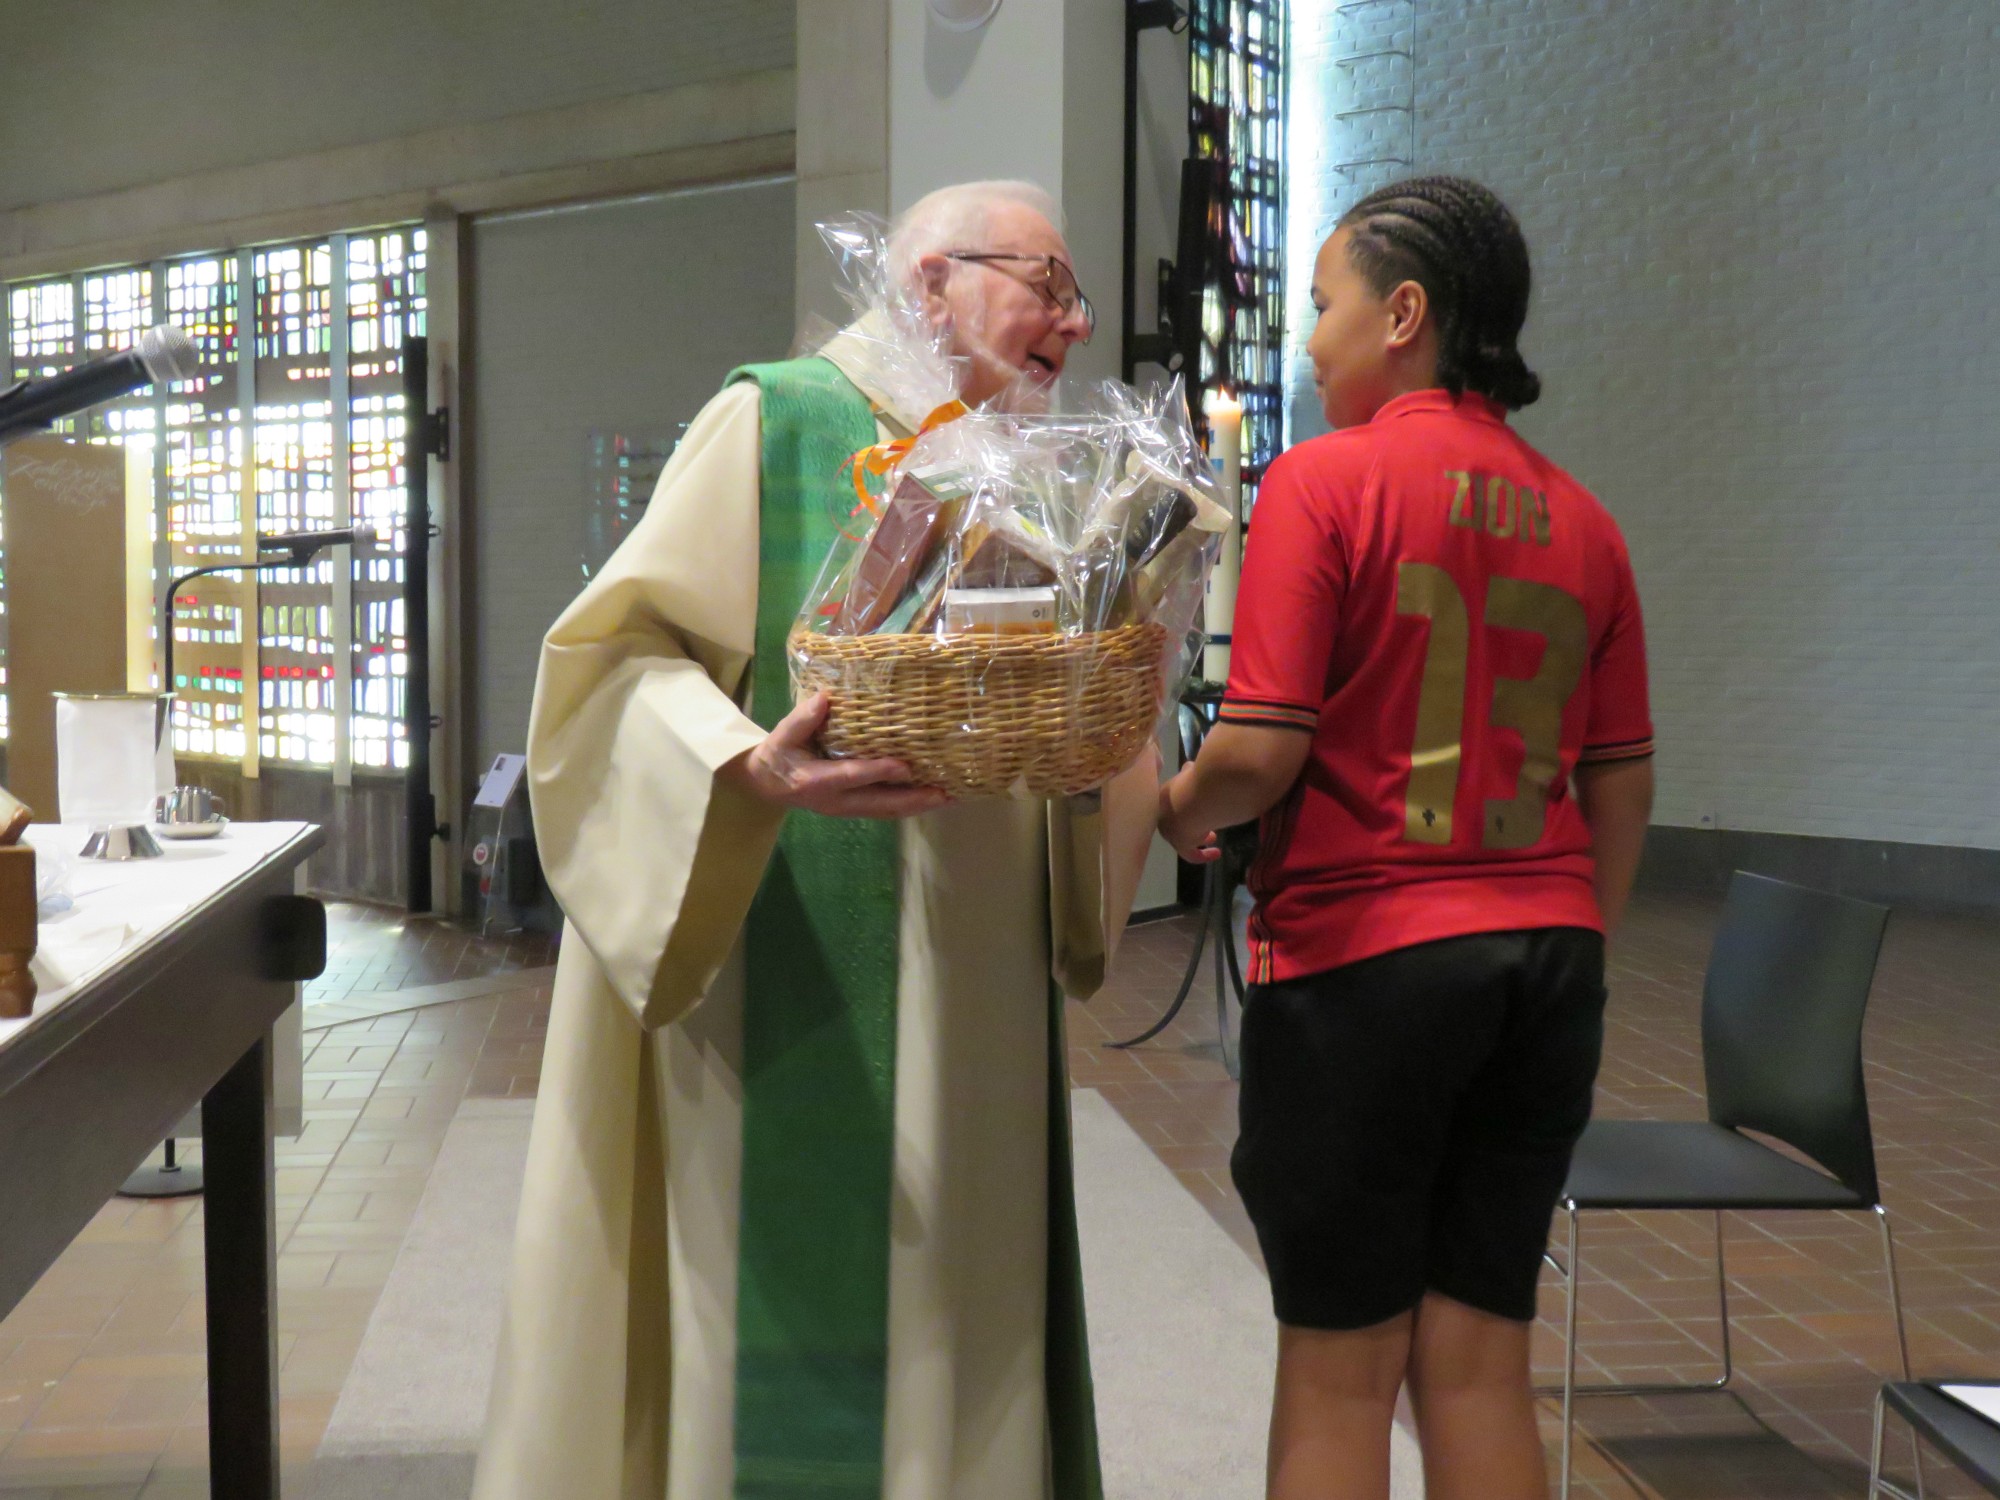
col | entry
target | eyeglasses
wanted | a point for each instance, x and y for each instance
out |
(1052, 280)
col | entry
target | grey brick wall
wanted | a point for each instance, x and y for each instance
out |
(1767, 256)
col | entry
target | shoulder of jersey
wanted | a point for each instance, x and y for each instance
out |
(1350, 449)
(1585, 495)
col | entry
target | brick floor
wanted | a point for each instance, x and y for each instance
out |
(1812, 1332)
(101, 1389)
(381, 949)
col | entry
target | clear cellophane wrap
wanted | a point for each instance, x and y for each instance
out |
(1012, 598)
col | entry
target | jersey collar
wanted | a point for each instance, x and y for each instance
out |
(1470, 404)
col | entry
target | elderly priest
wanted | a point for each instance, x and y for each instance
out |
(797, 1219)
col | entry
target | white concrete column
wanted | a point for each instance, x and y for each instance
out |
(892, 105)
(842, 125)
(1034, 93)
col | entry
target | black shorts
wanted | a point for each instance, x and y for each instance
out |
(1407, 1122)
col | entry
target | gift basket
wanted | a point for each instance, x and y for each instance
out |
(1013, 593)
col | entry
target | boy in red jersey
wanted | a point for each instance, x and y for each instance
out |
(1437, 705)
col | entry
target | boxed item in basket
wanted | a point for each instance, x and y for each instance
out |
(1007, 613)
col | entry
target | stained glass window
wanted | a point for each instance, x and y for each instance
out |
(201, 485)
(1236, 102)
(321, 447)
(294, 464)
(385, 305)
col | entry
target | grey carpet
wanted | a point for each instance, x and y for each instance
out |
(409, 1415)
(1182, 1340)
(383, 1476)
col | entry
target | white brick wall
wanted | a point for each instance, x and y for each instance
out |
(1767, 311)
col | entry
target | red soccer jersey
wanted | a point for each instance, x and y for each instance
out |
(1453, 618)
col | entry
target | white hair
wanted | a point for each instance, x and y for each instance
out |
(956, 218)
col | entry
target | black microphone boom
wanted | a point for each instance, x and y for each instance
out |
(362, 537)
(162, 354)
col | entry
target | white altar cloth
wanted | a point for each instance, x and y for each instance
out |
(117, 906)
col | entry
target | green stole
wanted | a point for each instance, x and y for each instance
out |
(819, 1060)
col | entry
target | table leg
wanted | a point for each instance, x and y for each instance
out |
(241, 1253)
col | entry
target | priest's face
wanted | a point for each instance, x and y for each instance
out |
(1009, 305)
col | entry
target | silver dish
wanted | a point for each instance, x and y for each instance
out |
(206, 830)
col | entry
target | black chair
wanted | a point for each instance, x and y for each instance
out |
(1782, 1004)
(1968, 1439)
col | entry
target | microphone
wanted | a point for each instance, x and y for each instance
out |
(162, 354)
(303, 544)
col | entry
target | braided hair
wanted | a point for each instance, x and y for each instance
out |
(1460, 243)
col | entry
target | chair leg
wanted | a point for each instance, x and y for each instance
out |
(1879, 1484)
(1895, 1288)
(1571, 1275)
(1571, 1278)
(1570, 1388)
(1902, 1332)
(1722, 1305)
(1875, 1450)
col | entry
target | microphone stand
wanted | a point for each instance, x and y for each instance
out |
(174, 1178)
(297, 558)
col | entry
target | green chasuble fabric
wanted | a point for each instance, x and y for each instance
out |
(819, 1050)
(819, 1036)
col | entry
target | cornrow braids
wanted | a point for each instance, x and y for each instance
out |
(1459, 242)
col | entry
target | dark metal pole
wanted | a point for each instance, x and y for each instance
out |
(1129, 303)
(419, 442)
(1158, 346)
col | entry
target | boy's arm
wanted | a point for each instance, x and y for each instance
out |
(1616, 798)
(1243, 771)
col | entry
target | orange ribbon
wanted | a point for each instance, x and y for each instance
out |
(880, 459)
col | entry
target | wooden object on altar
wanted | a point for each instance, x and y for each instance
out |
(18, 931)
(15, 816)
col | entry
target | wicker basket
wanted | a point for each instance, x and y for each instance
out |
(990, 715)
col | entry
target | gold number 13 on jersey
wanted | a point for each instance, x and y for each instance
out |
(1532, 705)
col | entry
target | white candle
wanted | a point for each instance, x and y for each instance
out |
(1225, 451)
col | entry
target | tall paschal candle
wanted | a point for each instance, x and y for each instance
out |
(1225, 451)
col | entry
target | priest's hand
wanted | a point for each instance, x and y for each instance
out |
(787, 770)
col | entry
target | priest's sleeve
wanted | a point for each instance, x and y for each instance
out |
(1097, 852)
(638, 702)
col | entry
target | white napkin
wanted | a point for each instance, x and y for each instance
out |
(73, 944)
